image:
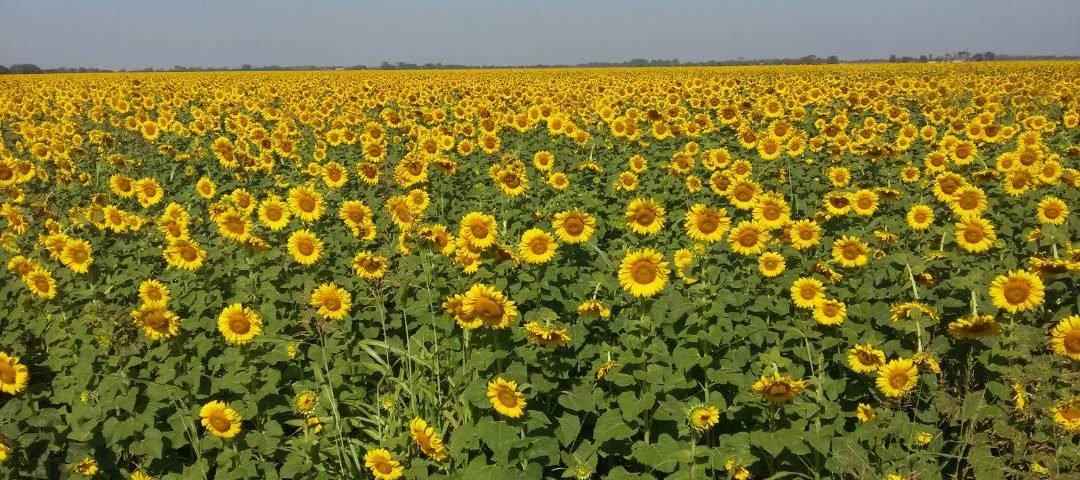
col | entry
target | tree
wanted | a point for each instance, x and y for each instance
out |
(4, 70)
(989, 56)
(892, 58)
(922, 58)
(832, 60)
(246, 66)
(25, 68)
(978, 57)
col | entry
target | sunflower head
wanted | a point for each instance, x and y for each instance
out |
(505, 397)
(643, 273)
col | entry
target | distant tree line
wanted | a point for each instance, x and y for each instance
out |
(30, 68)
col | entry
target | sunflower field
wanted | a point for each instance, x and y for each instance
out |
(854, 271)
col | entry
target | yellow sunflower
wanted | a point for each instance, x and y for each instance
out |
(643, 273)
(1065, 337)
(920, 217)
(743, 193)
(805, 234)
(1052, 210)
(898, 377)
(1017, 291)
(865, 358)
(478, 229)
(429, 441)
(974, 327)
(703, 417)
(40, 281)
(968, 200)
(220, 420)
(807, 292)
(771, 264)
(771, 211)
(830, 312)
(574, 226)
(274, 213)
(382, 465)
(306, 203)
(975, 234)
(537, 246)
(184, 254)
(505, 397)
(305, 247)
(14, 376)
(153, 292)
(233, 225)
(87, 467)
(593, 309)
(484, 304)
(77, 255)
(777, 388)
(644, 216)
(157, 322)
(368, 265)
(332, 302)
(706, 224)
(239, 324)
(748, 238)
(206, 188)
(306, 402)
(865, 413)
(849, 252)
(1067, 414)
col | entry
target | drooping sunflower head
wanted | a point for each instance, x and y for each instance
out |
(429, 441)
(974, 327)
(157, 322)
(643, 273)
(777, 388)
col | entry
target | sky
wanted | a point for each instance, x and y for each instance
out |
(229, 33)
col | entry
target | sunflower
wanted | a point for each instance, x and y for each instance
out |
(743, 194)
(153, 292)
(305, 247)
(157, 322)
(574, 226)
(558, 180)
(332, 302)
(206, 188)
(1052, 210)
(1067, 414)
(239, 324)
(837, 203)
(537, 246)
(864, 202)
(593, 309)
(88, 466)
(644, 216)
(1065, 337)
(13, 375)
(771, 264)
(920, 217)
(546, 337)
(865, 413)
(306, 402)
(865, 358)
(830, 312)
(643, 273)
(21, 266)
(703, 417)
(77, 255)
(274, 213)
(148, 191)
(122, 186)
(368, 265)
(975, 234)
(5, 452)
(543, 160)
(849, 252)
(40, 281)
(234, 226)
(478, 229)
(898, 377)
(306, 203)
(220, 420)
(807, 292)
(382, 465)
(184, 254)
(974, 327)
(805, 234)
(429, 441)
(484, 304)
(706, 224)
(968, 200)
(505, 397)
(1017, 291)
(748, 238)
(334, 175)
(777, 388)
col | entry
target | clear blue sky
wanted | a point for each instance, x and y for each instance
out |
(151, 33)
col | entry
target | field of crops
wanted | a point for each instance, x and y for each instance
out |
(764, 272)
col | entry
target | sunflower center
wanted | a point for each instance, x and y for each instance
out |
(235, 224)
(771, 212)
(708, 224)
(866, 358)
(968, 202)
(79, 256)
(487, 307)
(644, 272)
(305, 247)
(306, 204)
(920, 217)
(748, 238)
(973, 235)
(808, 292)
(743, 193)
(830, 309)
(1072, 342)
(219, 422)
(156, 320)
(507, 398)
(778, 389)
(1051, 212)
(865, 203)
(644, 216)
(479, 231)
(239, 324)
(574, 226)
(898, 381)
(7, 373)
(332, 304)
(273, 213)
(851, 251)
(538, 246)
(806, 234)
(188, 254)
(1016, 292)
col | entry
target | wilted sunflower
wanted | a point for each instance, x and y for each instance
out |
(537, 246)
(898, 377)
(807, 292)
(305, 247)
(478, 229)
(429, 441)
(975, 234)
(239, 324)
(485, 304)
(777, 388)
(14, 376)
(546, 337)
(908, 310)
(574, 226)
(220, 420)
(157, 322)
(1016, 291)
(706, 224)
(865, 358)
(593, 309)
(332, 302)
(1065, 337)
(644, 216)
(505, 397)
(850, 252)
(643, 273)
(703, 417)
(974, 327)
(748, 238)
